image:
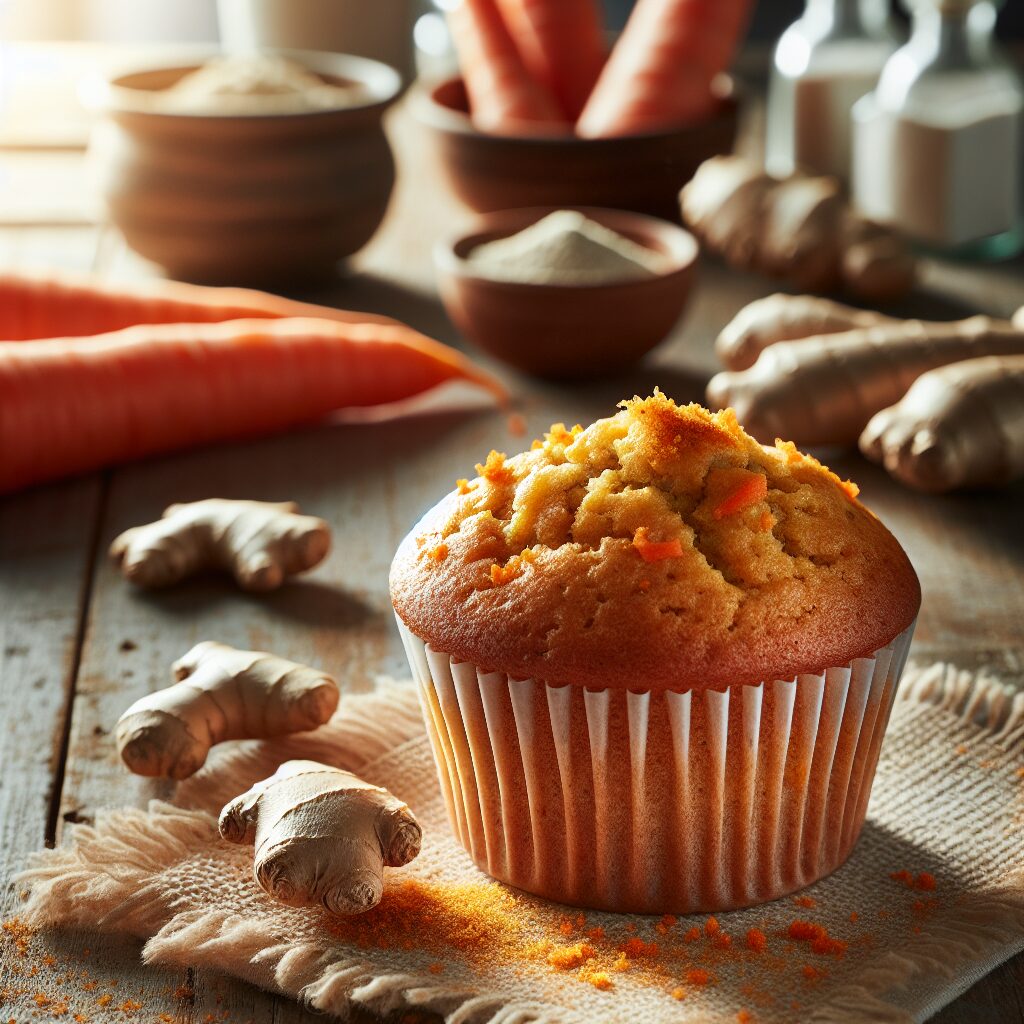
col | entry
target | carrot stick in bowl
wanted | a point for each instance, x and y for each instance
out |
(72, 405)
(503, 98)
(55, 304)
(659, 74)
(562, 46)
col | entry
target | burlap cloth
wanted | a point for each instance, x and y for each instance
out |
(948, 800)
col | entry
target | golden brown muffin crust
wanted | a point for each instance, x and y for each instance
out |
(661, 547)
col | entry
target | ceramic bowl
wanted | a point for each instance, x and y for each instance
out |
(637, 172)
(567, 331)
(245, 198)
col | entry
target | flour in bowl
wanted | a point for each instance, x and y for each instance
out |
(566, 247)
(256, 84)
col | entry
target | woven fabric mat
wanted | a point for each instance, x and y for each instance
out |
(948, 802)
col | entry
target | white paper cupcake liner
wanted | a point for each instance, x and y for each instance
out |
(661, 801)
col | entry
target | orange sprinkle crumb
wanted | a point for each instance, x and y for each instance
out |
(827, 946)
(679, 993)
(766, 522)
(692, 935)
(905, 877)
(570, 956)
(184, 992)
(80, 1018)
(926, 881)
(559, 435)
(565, 927)
(655, 551)
(599, 979)
(106, 999)
(854, 916)
(806, 931)
(130, 1006)
(596, 934)
(462, 486)
(961, 749)
(637, 947)
(751, 491)
(698, 976)
(436, 968)
(90, 986)
(623, 964)
(745, 1017)
(41, 999)
(494, 470)
(512, 569)
(711, 926)
(630, 927)
(757, 940)
(438, 553)
(805, 901)
(1020, 773)
(665, 924)
(536, 444)
(812, 972)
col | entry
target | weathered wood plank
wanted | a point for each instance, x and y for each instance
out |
(46, 541)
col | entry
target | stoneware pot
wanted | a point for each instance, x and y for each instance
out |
(567, 331)
(635, 172)
(245, 198)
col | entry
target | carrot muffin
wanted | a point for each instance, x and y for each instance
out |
(656, 660)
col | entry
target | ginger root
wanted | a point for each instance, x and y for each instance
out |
(781, 317)
(221, 694)
(322, 836)
(824, 389)
(801, 230)
(960, 425)
(259, 542)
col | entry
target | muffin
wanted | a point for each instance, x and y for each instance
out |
(656, 661)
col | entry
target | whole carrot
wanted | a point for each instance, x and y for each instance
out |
(56, 304)
(74, 405)
(659, 74)
(562, 46)
(503, 98)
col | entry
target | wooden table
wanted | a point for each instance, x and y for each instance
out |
(77, 645)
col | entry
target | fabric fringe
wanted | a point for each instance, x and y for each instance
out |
(975, 698)
(322, 983)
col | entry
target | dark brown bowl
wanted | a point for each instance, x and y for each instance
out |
(636, 172)
(567, 331)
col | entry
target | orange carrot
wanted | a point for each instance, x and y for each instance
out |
(660, 71)
(58, 304)
(656, 550)
(562, 46)
(503, 98)
(74, 405)
(748, 493)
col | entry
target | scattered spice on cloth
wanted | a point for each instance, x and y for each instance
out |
(932, 898)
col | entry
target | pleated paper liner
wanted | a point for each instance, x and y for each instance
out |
(662, 801)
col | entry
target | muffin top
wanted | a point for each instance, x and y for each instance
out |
(661, 547)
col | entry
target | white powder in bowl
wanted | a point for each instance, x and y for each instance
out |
(256, 84)
(566, 248)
